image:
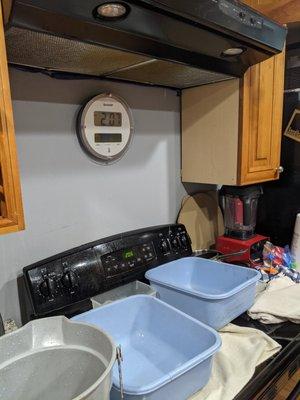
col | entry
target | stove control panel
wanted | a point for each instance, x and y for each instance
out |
(55, 282)
(127, 259)
(83, 272)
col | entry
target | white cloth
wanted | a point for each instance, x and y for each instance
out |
(279, 302)
(233, 366)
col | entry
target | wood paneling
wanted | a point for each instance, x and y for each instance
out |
(288, 388)
(11, 202)
(282, 11)
(6, 9)
(282, 386)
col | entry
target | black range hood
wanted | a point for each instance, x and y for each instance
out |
(171, 43)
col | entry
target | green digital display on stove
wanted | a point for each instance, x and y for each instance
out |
(127, 254)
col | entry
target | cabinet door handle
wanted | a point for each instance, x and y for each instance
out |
(280, 169)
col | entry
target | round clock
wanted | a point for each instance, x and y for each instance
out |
(105, 128)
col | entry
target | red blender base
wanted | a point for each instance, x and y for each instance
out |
(254, 247)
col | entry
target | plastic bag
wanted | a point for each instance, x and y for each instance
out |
(279, 259)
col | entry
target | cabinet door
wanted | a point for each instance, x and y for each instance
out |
(261, 107)
(11, 212)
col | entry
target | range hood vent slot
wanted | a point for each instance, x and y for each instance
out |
(159, 72)
(35, 49)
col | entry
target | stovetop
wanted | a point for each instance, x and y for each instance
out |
(286, 331)
(273, 374)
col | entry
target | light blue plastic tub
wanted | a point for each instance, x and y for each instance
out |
(212, 292)
(167, 354)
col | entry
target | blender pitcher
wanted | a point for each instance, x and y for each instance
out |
(240, 208)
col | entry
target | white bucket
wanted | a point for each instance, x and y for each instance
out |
(54, 358)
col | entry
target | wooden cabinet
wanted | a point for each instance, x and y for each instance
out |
(11, 212)
(261, 121)
(231, 130)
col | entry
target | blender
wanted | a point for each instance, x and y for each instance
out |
(239, 206)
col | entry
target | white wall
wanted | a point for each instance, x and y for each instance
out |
(68, 199)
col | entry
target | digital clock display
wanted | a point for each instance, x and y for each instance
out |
(108, 137)
(105, 118)
(128, 254)
(105, 128)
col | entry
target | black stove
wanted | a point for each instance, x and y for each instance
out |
(64, 284)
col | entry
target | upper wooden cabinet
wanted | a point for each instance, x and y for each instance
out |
(231, 130)
(282, 11)
(11, 211)
(261, 112)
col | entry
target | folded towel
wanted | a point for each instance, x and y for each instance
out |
(279, 302)
(243, 349)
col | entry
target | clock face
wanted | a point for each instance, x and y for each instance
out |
(105, 128)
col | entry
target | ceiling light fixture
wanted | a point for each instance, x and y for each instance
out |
(112, 11)
(233, 51)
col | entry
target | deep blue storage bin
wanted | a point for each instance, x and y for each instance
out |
(167, 354)
(210, 291)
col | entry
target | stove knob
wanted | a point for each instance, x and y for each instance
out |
(69, 279)
(183, 240)
(164, 246)
(175, 243)
(48, 287)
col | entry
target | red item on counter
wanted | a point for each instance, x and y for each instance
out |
(254, 247)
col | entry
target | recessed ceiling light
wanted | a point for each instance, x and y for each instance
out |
(112, 10)
(233, 51)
